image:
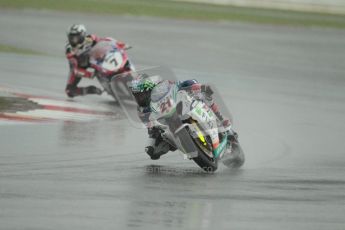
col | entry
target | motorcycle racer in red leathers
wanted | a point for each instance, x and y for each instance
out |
(77, 53)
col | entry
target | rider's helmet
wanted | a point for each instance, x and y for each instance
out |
(76, 35)
(141, 90)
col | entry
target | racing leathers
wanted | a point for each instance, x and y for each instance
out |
(157, 145)
(78, 58)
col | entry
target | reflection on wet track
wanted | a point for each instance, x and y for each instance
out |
(92, 173)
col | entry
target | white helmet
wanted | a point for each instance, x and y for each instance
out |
(76, 34)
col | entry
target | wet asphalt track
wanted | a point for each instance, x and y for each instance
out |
(284, 86)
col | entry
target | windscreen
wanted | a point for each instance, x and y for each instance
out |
(98, 52)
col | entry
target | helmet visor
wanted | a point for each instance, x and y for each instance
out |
(143, 98)
(75, 39)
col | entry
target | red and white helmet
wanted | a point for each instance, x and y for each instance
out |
(76, 35)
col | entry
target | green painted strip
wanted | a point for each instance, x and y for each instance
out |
(183, 10)
(17, 50)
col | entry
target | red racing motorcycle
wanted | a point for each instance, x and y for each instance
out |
(110, 60)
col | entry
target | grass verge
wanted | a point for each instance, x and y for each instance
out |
(182, 10)
(13, 49)
(14, 104)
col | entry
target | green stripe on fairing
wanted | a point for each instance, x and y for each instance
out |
(221, 146)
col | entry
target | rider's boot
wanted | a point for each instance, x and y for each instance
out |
(156, 151)
(91, 90)
(73, 91)
(158, 146)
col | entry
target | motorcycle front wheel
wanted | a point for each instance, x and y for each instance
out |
(207, 163)
(236, 158)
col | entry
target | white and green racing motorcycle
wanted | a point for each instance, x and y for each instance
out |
(188, 124)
